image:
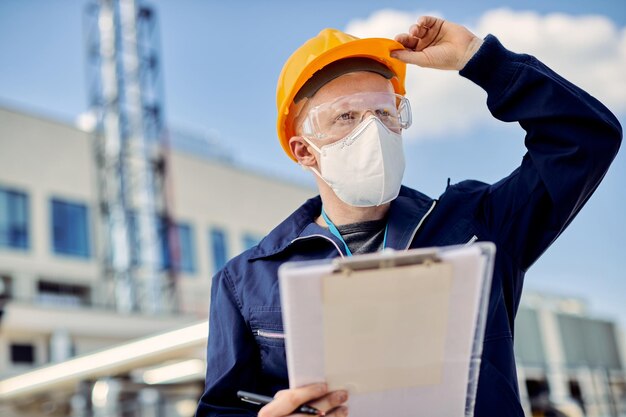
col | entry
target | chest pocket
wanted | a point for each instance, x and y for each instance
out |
(266, 324)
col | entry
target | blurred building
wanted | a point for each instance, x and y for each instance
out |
(568, 361)
(53, 295)
(65, 351)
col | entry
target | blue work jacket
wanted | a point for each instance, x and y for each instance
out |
(571, 140)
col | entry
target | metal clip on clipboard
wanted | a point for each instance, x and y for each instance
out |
(386, 259)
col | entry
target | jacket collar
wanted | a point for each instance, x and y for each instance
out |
(405, 215)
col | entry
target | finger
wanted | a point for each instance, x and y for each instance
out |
(408, 41)
(330, 400)
(418, 30)
(427, 31)
(412, 57)
(286, 401)
(338, 412)
(424, 24)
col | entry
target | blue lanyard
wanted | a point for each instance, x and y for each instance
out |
(333, 229)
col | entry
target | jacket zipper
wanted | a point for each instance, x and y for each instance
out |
(322, 236)
(432, 207)
(472, 240)
(269, 335)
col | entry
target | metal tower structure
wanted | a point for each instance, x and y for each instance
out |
(125, 95)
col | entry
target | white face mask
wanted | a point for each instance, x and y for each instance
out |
(365, 168)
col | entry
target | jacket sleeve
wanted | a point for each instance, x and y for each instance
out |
(232, 359)
(571, 140)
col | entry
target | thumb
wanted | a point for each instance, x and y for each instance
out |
(411, 57)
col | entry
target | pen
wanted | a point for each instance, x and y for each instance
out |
(258, 399)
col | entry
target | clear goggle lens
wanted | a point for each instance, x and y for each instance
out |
(337, 118)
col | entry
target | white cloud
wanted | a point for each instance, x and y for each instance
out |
(588, 50)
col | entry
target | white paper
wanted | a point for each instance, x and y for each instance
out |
(366, 313)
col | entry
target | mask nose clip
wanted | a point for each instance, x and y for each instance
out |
(367, 113)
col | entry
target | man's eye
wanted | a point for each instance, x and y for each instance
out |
(345, 116)
(383, 113)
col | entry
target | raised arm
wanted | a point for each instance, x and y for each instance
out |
(570, 136)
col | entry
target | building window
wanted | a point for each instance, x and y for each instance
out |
(186, 249)
(22, 353)
(219, 248)
(6, 289)
(250, 240)
(13, 219)
(184, 237)
(57, 293)
(165, 242)
(70, 234)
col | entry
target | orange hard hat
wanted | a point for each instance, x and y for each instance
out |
(329, 46)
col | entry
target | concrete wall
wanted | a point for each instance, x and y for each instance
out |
(48, 159)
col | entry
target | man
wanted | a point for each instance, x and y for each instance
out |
(341, 113)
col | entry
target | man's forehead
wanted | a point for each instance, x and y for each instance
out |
(358, 82)
(338, 69)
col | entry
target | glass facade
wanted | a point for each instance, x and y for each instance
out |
(528, 340)
(589, 342)
(70, 228)
(219, 246)
(58, 293)
(187, 261)
(14, 216)
(22, 353)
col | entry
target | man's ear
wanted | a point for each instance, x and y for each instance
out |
(300, 150)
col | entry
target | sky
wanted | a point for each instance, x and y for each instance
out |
(221, 60)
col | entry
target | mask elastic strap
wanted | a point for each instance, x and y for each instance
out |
(312, 145)
(315, 170)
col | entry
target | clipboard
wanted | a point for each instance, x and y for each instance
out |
(401, 331)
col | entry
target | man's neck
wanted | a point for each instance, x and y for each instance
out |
(341, 213)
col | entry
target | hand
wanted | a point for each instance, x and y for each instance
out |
(315, 395)
(436, 43)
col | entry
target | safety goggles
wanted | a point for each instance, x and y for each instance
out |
(337, 118)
